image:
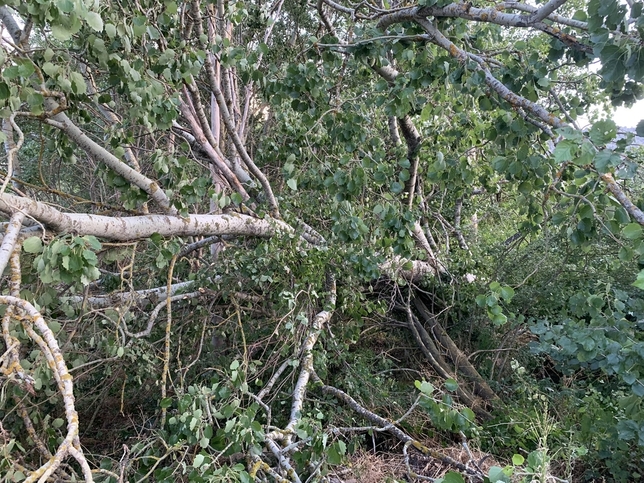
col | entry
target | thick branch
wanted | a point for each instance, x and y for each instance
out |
(518, 102)
(491, 15)
(49, 347)
(232, 132)
(618, 193)
(545, 11)
(141, 298)
(62, 122)
(496, 85)
(387, 72)
(413, 139)
(458, 208)
(208, 148)
(135, 227)
(415, 270)
(324, 18)
(392, 123)
(319, 320)
(410, 134)
(9, 21)
(9, 127)
(495, 16)
(523, 7)
(10, 238)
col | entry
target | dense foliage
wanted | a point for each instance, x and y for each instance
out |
(256, 240)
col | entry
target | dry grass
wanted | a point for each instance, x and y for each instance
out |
(367, 467)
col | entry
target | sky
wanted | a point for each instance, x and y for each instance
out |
(629, 117)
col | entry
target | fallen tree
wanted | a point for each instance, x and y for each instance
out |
(272, 186)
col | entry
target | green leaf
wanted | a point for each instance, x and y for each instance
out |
(198, 461)
(62, 32)
(500, 164)
(603, 132)
(65, 6)
(57, 423)
(499, 319)
(335, 452)
(565, 151)
(94, 20)
(292, 183)
(507, 293)
(424, 387)
(451, 385)
(110, 30)
(48, 54)
(496, 474)
(50, 69)
(5, 93)
(518, 460)
(639, 283)
(32, 245)
(639, 130)
(544, 82)
(93, 242)
(35, 101)
(453, 477)
(333, 457)
(485, 104)
(606, 159)
(632, 231)
(78, 83)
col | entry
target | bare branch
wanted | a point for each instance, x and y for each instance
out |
(545, 11)
(523, 7)
(498, 17)
(393, 130)
(135, 227)
(629, 206)
(515, 100)
(324, 18)
(9, 127)
(10, 238)
(155, 313)
(62, 122)
(9, 21)
(111, 117)
(70, 445)
(413, 140)
(232, 131)
(393, 429)
(458, 208)
(307, 358)
(139, 298)
(207, 146)
(489, 14)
